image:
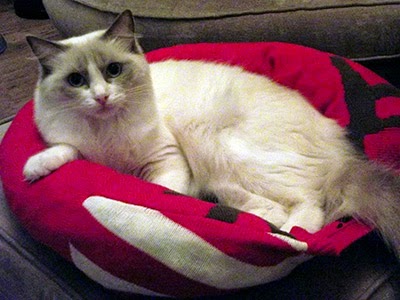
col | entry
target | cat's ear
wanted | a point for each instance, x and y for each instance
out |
(45, 51)
(123, 30)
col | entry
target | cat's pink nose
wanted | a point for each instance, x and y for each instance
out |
(102, 99)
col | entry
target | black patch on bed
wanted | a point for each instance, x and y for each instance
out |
(205, 196)
(361, 100)
(343, 220)
(276, 230)
(223, 213)
(171, 192)
(208, 197)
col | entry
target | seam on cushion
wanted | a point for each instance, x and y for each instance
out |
(394, 280)
(51, 276)
(283, 11)
(116, 8)
(7, 119)
(384, 278)
(377, 57)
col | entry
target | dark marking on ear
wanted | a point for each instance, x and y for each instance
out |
(45, 51)
(44, 48)
(46, 71)
(122, 25)
(123, 29)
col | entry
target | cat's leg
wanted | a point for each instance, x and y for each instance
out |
(50, 159)
(235, 196)
(177, 180)
(306, 215)
(171, 171)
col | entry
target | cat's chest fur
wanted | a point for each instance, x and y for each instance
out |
(116, 144)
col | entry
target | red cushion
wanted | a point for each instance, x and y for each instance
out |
(137, 237)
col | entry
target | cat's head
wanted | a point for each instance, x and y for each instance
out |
(99, 74)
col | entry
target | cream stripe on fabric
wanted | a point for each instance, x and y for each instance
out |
(179, 248)
(298, 245)
(106, 279)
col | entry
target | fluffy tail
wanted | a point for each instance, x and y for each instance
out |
(371, 193)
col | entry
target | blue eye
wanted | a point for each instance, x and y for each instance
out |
(114, 69)
(76, 80)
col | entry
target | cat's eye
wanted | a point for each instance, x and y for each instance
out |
(76, 80)
(114, 70)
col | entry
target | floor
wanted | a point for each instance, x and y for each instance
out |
(3, 129)
(18, 68)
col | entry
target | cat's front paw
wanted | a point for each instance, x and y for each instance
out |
(47, 161)
(38, 166)
(278, 217)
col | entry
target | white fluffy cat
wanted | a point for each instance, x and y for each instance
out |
(202, 128)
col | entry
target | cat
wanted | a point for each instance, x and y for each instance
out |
(203, 128)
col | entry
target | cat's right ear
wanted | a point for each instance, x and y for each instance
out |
(123, 30)
(45, 51)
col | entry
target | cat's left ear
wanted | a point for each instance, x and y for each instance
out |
(45, 51)
(123, 30)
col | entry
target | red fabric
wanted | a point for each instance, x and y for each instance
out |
(51, 209)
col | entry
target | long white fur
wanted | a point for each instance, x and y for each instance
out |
(200, 128)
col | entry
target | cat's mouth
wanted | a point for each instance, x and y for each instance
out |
(105, 111)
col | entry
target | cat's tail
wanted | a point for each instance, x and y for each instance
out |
(369, 192)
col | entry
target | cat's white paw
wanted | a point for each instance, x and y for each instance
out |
(40, 165)
(47, 161)
(307, 216)
(276, 216)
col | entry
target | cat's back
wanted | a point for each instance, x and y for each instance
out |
(186, 77)
(192, 90)
(196, 89)
(209, 99)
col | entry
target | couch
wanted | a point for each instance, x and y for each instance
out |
(367, 31)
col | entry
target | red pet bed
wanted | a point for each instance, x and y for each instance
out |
(136, 237)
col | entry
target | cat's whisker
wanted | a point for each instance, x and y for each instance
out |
(140, 90)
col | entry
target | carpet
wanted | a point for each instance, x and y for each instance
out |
(18, 68)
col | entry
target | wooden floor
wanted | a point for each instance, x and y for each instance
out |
(18, 68)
